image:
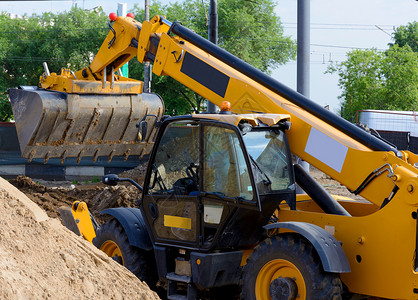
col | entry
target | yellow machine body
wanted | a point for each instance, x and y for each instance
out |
(78, 219)
(380, 241)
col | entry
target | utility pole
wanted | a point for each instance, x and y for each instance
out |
(147, 65)
(303, 60)
(122, 11)
(303, 47)
(213, 37)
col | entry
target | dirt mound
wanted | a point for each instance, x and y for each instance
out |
(50, 195)
(41, 259)
(137, 174)
(57, 194)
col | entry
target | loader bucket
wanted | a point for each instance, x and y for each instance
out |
(53, 124)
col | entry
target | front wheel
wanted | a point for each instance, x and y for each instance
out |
(286, 267)
(112, 239)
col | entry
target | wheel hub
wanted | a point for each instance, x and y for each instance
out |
(112, 250)
(280, 279)
(118, 259)
(283, 288)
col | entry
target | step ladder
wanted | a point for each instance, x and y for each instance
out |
(173, 291)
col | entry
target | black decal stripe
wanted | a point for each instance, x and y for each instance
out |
(273, 85)
(205, 74)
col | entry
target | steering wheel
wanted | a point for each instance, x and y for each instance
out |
(157, 179)
(192, 172)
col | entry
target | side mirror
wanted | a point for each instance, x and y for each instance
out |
(245, 127)
(111, 179)
(285, 125)
(142, 130)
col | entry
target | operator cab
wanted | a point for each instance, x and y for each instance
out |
(212, 184)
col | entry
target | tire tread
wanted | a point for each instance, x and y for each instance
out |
(141, 263)
(322, 286)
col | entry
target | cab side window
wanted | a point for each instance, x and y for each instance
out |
(175, 168)
(225, 168)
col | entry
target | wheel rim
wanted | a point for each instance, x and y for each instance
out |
(112, 250)
(273, 270)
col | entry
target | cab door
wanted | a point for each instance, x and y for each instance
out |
(228, 192)
(171, 201)
(198, 175)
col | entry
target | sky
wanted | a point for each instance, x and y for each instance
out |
(341, 25)
(337, 26)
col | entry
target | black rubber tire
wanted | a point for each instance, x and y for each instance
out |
(297, 250)
(138, 261)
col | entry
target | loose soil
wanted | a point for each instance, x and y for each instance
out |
(50, 195)
(41, 259)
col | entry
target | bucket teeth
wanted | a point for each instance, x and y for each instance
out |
(126, 154)
(46, 158)
(63, 156)
(52, 124)
(31, 155)
(80, 155)
(96, 155)
(111, 156)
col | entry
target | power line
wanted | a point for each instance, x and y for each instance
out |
(338, 28)
(37, 1)
(27, 59)
(106, 29)
(54, 30)
(345, 47)
(73, 39)
(315, 27)
(343, 24)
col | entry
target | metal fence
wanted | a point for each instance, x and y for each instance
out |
(398, 127)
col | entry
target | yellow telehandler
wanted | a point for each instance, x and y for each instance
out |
(219, 205)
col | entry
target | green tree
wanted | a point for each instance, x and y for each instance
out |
(406, 35)
(400, 69)
(67, 39)
(371, 79)
(248, 29)
(360, 79)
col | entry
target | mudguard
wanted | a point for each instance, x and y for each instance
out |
(328, 248)
(133, 224)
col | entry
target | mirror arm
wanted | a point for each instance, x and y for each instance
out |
(133, 182)
(113, 179)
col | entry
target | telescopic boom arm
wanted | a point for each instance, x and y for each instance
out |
(360, 161)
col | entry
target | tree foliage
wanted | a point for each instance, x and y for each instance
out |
(251, 30)
(372, 79)
(248, 29)
(406, 35)
(67, 39)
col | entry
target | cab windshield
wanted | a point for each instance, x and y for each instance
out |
(269, 160)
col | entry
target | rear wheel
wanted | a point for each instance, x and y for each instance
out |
(286, 267)
(112, 239)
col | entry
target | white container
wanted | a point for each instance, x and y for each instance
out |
(390, 120)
